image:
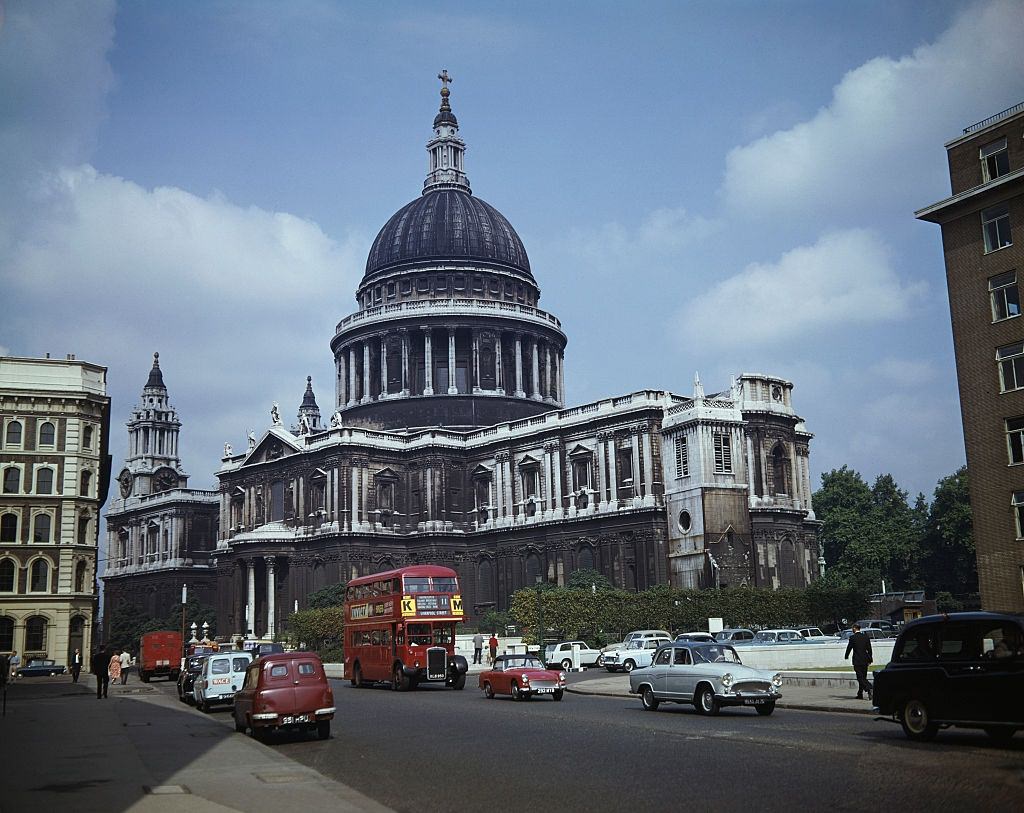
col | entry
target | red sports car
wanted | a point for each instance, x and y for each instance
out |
(521, 676)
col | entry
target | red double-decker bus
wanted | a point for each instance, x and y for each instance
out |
(400, 628)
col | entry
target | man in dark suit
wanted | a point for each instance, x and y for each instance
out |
(860, 646)
(98, 666)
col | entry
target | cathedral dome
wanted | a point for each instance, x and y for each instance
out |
(449, 226)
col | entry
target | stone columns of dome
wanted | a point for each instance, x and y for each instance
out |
(549, 394)
(648, 467)
(519, 367)
(499, 380)
(366, 373)
(339, 387)
(475, 340)
(452, 389)
(271, 590)
(535, 378)
(351, 375)
(405, 361)
(561, 378)
(428, 361)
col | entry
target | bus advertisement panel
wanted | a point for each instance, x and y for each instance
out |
(400, 628)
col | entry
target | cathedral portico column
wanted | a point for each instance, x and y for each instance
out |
(613, 475)
(452, 389)
(648, 449)
(475, 334)
(351, 375)
(557, 454)
(250, 601)
(271, 589)
(366, 373)
(535, 364)
(634, 441)
(405, 361)
(750, 466)
(519, 367)
(384, 366)
(428, 361)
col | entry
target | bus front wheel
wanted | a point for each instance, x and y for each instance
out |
(459, 682)
(399, 682)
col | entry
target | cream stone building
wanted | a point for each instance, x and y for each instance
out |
(54, 473)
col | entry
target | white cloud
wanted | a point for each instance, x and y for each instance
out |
(901, 372)
(863, 148)
(845, 278)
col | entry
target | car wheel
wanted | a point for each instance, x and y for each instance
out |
(357, 676)
(204, 707)
(488, 691)
(516, 694)
(323, 730)
(629, 666)
(648, 700)
(917, 722)
(599, 661)
(460, 682)
(239, 725)
(707, 703)
(765, 710)
(567, 664)
(559, 693)
(1000, 734)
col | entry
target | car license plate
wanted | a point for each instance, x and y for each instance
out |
(287, 720)
(546, 690)
(755, 701)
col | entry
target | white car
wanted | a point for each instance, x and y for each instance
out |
(635, 634)
(779, 637)
(813, 635)
(561, 654)
(637, 654)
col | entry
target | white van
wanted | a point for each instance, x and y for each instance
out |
(221, 677)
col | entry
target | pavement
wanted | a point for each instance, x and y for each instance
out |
(140, 750)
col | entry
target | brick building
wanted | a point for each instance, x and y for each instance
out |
(983, 266)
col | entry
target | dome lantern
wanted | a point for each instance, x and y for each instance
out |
(446, 150)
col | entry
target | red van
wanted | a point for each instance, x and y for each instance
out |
(160, 654)
(285, 690)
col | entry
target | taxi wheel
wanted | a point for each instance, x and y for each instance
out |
(766, 709)
(488, 691)
(917, 721)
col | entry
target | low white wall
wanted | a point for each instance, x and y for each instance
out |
(808, 656)
(464, 645)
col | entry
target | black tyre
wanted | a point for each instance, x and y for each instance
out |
(460, 682)
(516, 694)
(204, 707)
(144, 676)
(239, 725)
(765, 710)
(648, 700)
(629, 666)
(323, 730)
(399, 682)
(599, 661)
(567, 664)
(559, 693)
(917, 721)
(707, 703)
(488, 690)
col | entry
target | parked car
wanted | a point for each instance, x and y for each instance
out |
(521, 677)
(705, 637)
(561, 654)
(187, 678)
(635, 655)
(960, 669)
(220, 677)
(877, 624)
(814, 635)
(38, 667)
(638, 634)
(288, 690)
(779, 637)
(709, 676)
(873, 634)
(734, 636)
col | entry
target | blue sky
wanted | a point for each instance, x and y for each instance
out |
(713, 187)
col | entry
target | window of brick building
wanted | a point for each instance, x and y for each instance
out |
(1015, 440)
(12, 437)
(12, 480)
(47, 434)
(7, 577)
(41, 528)
(1018, 512)
(1005, 296)
(40, 576)
(995, 161)
(995, 224)
(1011, 367)
(44, 481)
(9, 527)
(35, 634)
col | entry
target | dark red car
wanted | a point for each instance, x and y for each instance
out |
(282, 691)
(521, 677)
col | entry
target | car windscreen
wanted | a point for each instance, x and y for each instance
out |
(523, 663)
(715, 653)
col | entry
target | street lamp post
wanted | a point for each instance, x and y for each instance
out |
(540, 620)
(821, 566)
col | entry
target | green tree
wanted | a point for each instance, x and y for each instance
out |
(950, 560)
(588, 578)
(331, 596)
(493, 621)
(843, 504)
(322, 630)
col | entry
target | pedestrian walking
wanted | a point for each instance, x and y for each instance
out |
(76, 665)
(14, 661)
(492, 645)
(99, 665)
(860, 646)
(114, 666)
(126, 663)
(478, 648)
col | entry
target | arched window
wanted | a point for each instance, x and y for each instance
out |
(9, 528)
(780, 471)
(86, 483)
(80, 577)
(585, 558)
(83, 529)
(41, 526)
(87, 438)
(7, 574)
(485, 582)
(47, 434)
(12, 480)
(44, 481)
(122, 544)
(277, 501)
(533, 569)
(13, 435)
(40, 578)
(6, 634)
(35, 634)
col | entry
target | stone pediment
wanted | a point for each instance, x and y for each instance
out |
(579, 450)
(278, 442)
(481, 471)
(386, 474)
(528, 460)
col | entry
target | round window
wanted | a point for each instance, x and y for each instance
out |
(684, 521)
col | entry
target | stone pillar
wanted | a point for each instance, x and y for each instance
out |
(634, 442)
(499, 380)
(351, 375)
(452, 389)
(648, 467)
(367, 397)
(476, 360)
(613, 475)
(546, 487)
(384, 366)
(519, 367)
(428, 362)
(271, 589)
(405, 361)
(750, 466)
(535, 365)
(353, 473)
(342, 379)
(499, 486)
(250, 603)
(557, 456)
(548, 390)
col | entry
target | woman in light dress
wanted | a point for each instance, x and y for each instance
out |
(114, 667)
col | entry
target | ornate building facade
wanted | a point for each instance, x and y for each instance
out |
(54, 427)
(450, 443)
(160, 532)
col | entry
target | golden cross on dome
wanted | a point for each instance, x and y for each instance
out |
(445, 78)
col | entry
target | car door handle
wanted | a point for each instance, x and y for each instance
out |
(295, 682)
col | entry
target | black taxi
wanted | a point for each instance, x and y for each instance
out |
(956, 669)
